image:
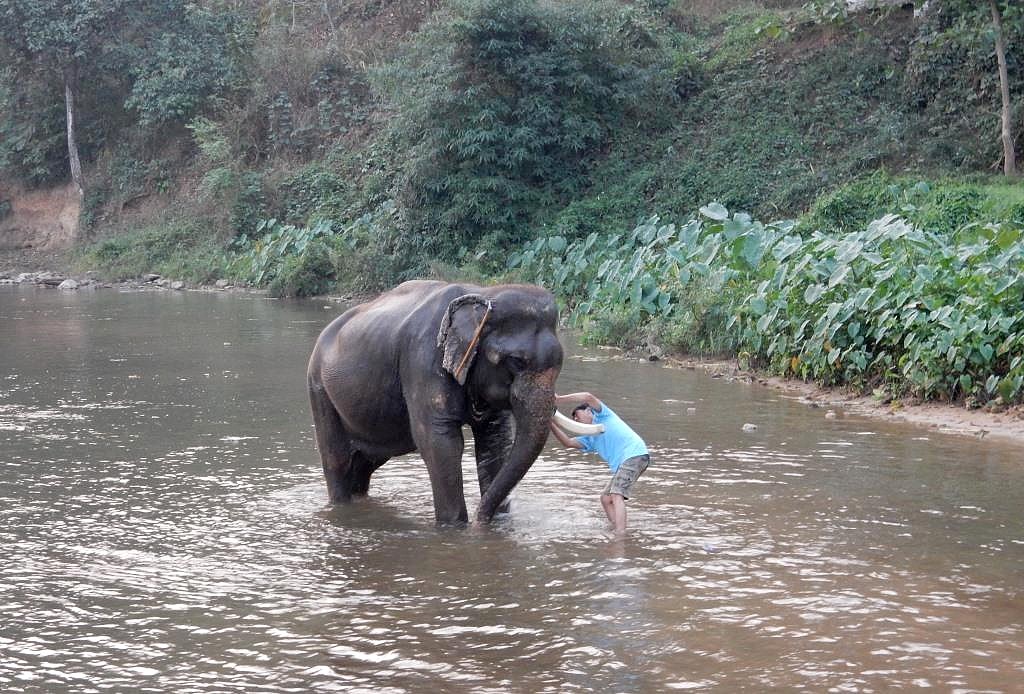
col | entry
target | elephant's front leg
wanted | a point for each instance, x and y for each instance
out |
(440, 442)
(493, 436)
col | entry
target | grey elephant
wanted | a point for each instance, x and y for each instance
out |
(406, 371)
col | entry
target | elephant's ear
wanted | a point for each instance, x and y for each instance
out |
(459, 325)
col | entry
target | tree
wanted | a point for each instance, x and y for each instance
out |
(59, 36)
(1009, 155)
(160, 58)
(502, 105)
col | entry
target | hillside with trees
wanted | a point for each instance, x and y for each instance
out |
(324, 146)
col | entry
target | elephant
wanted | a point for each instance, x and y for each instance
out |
(405, 371)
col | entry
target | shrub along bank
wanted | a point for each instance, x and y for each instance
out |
(915, 301)
(890, 306)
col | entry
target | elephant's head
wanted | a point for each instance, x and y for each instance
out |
(502, 346)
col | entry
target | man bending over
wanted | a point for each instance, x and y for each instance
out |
(619, 446)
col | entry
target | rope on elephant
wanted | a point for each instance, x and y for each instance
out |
(472, 343)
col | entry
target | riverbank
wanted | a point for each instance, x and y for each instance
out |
(55, 269)
(1007, 425)
(944, 418)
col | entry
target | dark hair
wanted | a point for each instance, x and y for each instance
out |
(576, 409)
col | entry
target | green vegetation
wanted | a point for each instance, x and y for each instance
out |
(501, 107)
(180, 249)
(888, 306)
(348, 146)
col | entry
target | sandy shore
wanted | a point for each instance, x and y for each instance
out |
(944, 418)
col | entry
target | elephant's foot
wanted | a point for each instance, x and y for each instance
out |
(451, 515)
(338, 494)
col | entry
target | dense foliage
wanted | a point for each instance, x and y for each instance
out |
(128, 65)
(501, 107)
(346, 146)
(889, 305)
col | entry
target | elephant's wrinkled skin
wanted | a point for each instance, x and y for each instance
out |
(382, 383)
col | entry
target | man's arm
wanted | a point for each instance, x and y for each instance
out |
(563, 438)
(577, 398)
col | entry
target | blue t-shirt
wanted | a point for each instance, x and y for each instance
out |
(617, 443)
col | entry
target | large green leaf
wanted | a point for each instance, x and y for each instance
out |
(838, 275)
(813, 292)
(715, 211)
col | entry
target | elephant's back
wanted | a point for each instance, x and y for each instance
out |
(361, 352)
(385, 319)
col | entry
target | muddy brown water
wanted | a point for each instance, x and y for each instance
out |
(163, 528)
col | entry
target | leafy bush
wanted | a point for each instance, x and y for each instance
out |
(942, 206)
(305, 260)
(249, 206)
(894, 305)
(651, 269)
(308, 273)
(315, 193)
(180, 250)
(260, 257)
(890, 305)
(369, 255)
(501, 107)
(191, 59)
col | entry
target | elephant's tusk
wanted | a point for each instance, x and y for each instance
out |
(574, 427)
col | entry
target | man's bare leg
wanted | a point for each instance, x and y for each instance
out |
(615, 508)
(606, 504)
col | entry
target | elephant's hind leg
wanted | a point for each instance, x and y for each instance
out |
(363, 467)
(335, 446)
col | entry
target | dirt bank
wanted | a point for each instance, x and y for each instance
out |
(16, 260)
(45, 218)
(944, 418)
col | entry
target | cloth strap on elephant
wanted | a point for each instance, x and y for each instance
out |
(472, 343)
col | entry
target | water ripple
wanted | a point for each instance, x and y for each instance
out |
(165, 529)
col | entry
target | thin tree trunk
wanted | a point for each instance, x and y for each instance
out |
(330, 19)
(1009, 156)
(69, 106)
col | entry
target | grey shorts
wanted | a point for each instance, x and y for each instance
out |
(628, 472)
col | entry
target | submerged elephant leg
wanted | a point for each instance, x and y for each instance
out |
(493, 438)
(335, 448)
(363, 467)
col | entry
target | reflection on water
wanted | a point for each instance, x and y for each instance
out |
(164, 529)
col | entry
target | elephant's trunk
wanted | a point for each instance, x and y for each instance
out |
(533, 401)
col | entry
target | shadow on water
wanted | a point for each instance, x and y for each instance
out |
(165, 527)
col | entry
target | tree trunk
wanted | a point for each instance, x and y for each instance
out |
(330, 20)
(69, 106)
(1009, 156)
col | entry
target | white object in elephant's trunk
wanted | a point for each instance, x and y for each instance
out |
(578, 428)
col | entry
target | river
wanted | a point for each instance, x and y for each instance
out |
(164, 528)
